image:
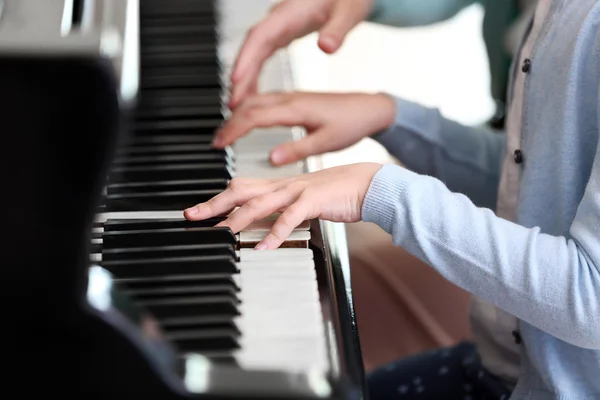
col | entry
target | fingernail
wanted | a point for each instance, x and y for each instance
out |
(329, 42)
(217, 142)
(260, 246)
(192, 210)
(278, 156)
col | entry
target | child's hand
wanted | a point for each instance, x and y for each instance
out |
(289, 20)
(333, 121)
(334, 194)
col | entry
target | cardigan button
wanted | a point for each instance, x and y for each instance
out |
(517, 336)
(526, 65)
(518, 156)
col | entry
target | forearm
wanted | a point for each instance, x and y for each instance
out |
(466, 159)
(531, 275)
(410, 13)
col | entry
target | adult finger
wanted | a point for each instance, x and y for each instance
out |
(238, 98)
(259, 117)
(293, 216)
(255, 48)
(277, 30)
(246, 86)
(290, 20)
(258, 208)
(249, 106)
(346, 14)
(317, 142)
(263, 100)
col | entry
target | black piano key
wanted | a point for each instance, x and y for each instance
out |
(188, 323)
(189, 19)
(165, 159)
(114, 225)
(227, 325)
(191, 306)
(201, 340)
(196, 58)
(167, 186)
(205, 324)
(189, 127)
(161, 65)
(199, 321)
(192, 250)
(163, 113)
(177, 139)
(180, 97)
(189, 290)
(158, 201)
(195, 31)
(95, 248)
(204, 77)
(96, 235)
(221, 358)
(167, 237)
(160, 81)
(179, 281)
(159, 267)
(191, 148)
(152, 173)
(208, 70)
(148, 49)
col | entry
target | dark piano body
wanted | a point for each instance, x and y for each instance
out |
(93, 124)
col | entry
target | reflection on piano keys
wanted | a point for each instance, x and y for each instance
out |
(182, 308)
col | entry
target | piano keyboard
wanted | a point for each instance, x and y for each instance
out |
(211, 293)
(138, 299)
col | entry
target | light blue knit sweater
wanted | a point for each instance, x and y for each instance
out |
(544, 269)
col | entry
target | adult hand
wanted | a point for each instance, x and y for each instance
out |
(332, 121)
(334, 194)
(289, 20)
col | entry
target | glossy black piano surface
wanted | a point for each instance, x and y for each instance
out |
(141, 306)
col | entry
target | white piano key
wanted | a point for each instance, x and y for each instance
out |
(175, 214)
(287, 354)
(273, 288)
(280, 277)
(268, 141)
(257, 236)
(267, 223)
(268, 131)
(274, 277)
(306, 290)
(275, 254)
(299, 328)
(264, 170)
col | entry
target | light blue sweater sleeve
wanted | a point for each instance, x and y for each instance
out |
(532, 275)
(466, 159)
(409, 13)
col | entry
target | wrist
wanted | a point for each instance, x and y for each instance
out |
(385, 110)
(387, 196)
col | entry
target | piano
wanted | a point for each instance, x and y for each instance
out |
(108, 108)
